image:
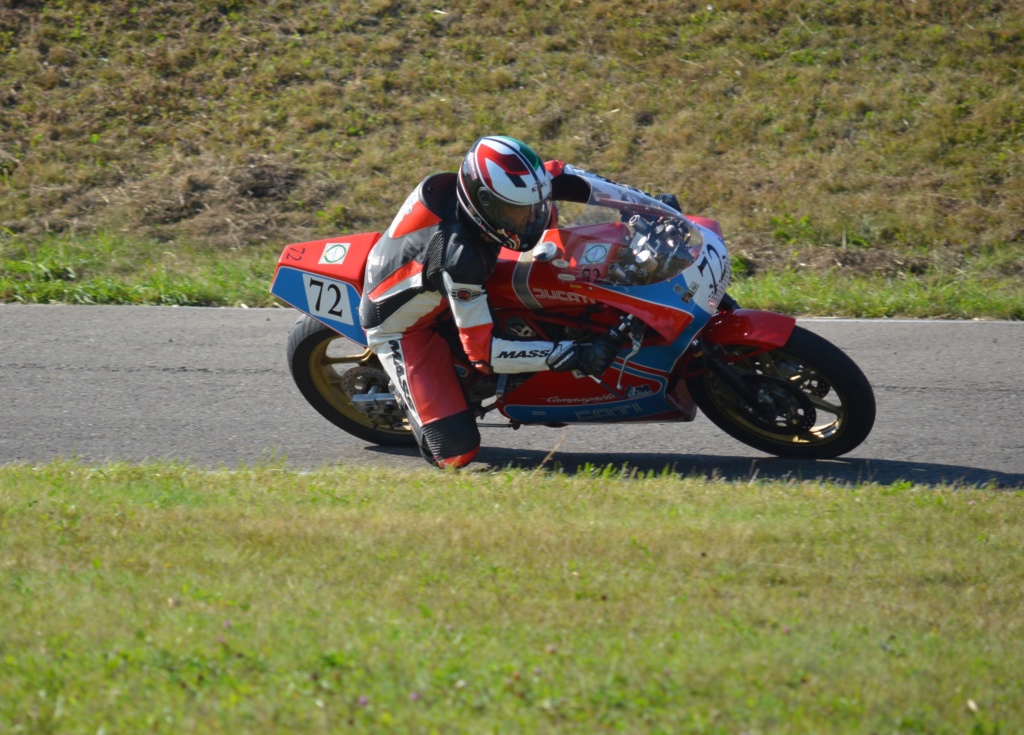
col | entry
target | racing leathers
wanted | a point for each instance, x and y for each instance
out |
(431, 265)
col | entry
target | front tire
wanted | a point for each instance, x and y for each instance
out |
(813, 400)
(329, 369)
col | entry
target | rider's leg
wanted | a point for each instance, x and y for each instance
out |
(420, 366)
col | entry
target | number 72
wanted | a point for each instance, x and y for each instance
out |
(326, 298)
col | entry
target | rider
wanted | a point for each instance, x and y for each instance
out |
(432, 263)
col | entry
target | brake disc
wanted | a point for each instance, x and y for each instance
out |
(782, 408)
(804, 377)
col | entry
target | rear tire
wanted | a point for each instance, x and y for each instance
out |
(814, 402)
(329, 369)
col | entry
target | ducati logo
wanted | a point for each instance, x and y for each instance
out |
(565, 296)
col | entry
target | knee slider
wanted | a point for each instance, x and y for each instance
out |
(453, 440)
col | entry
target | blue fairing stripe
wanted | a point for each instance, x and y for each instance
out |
(335, 303)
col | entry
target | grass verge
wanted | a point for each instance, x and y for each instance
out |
(942, 294)
(164, 599)
(111, 270)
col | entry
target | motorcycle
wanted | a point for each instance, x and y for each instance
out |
(627, 265)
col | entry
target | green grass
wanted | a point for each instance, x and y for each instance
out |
(110, 270)
(946, 294)
(883, 136)
(116, 270)
(164, 599)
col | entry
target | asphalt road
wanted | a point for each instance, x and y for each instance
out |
(211, 387)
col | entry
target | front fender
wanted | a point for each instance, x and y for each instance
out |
(761, 330)
(764, 329)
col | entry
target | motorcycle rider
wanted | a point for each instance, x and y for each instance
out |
(431, 265)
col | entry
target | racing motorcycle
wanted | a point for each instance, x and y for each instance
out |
(627, 265)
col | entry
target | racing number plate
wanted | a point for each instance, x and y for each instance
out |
(329, 299)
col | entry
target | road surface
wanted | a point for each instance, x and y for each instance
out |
(211, 387)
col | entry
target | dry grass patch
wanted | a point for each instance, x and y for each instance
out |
(895, 127)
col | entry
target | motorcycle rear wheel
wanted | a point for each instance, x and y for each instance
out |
(329, 369)
(815, 403)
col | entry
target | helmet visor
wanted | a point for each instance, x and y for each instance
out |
(527, 221)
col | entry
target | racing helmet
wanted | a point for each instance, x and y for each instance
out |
(505, 190)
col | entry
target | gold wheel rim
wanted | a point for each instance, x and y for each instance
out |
(327, 381)
(823, 431)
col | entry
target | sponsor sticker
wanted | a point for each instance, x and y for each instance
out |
(560, 263)
(334, 253)
(595, 253)
(518, 354)
(566, 277)
(585, 400)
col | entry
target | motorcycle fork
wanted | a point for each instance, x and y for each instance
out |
(722, 368)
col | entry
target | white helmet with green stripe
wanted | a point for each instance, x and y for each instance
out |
(504, 188)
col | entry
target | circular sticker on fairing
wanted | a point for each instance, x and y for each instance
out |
(334, 253)
(595, 253)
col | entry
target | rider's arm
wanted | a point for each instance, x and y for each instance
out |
(461, 279)
(566, 187)
(490, 354)
(570, 187)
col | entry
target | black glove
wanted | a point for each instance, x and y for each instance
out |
(671, 200)
(591, 357)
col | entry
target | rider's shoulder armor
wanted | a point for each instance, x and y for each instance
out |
(453, 246)
(437, 193)
(468, 258)
(428, 229)
(430, 203)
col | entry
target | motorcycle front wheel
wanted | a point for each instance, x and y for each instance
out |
(329, 370)
(812, 401)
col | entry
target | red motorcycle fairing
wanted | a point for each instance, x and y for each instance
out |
(711, 224)
(762, 331)
(574, 279)
(341, 258)
(324, 278)
(575, 398)
(750, 327)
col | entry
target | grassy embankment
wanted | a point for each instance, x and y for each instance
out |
(864, 157)
(165, 599)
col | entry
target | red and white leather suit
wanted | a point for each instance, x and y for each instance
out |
(428, 267)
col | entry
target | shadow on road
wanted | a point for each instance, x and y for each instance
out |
(744, 469)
